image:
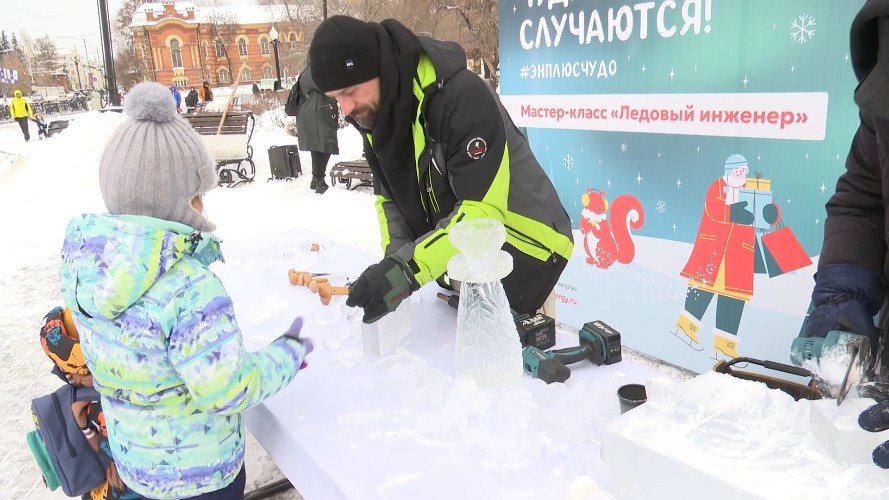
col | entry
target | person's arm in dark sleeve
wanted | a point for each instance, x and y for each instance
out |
(394, 231)
(472, 130)
(854, 229)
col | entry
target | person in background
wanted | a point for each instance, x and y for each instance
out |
(157, 327)
(850, 285)
(20, 110)
(256, 91)
(191, 100)
(317, 123)
(177, 97)
(442, 149)
(206, 92)
(40, 120)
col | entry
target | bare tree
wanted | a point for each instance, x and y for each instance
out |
(128, 66)
(480, 36)
(223, 29)
(45, 55)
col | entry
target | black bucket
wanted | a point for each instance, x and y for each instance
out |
(631, 396)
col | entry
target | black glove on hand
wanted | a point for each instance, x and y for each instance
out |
(739, 214)
(381, 287)
(846, 297)
(876, 419)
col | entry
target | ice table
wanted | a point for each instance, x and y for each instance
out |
(401, 427)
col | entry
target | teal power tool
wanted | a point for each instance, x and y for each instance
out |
(599, 343)
(850, 350)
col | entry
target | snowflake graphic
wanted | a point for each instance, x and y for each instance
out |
(623, 147)
(568, 162)
(661, 207)
(802, 29)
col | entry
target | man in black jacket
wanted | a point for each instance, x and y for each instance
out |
(854, 265)
(442, 149)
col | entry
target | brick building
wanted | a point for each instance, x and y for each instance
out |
(181, 43)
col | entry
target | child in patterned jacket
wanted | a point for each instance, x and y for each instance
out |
(157, 327)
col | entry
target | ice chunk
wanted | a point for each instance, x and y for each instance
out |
(837, 429)
(381, 337)
(729, 438)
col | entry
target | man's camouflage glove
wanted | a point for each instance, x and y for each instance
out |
(382, 287)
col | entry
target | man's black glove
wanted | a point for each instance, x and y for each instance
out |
(382, 287)
(739, 214)
(846, 297)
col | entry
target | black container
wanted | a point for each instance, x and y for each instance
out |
(631, 396)
(284, 162)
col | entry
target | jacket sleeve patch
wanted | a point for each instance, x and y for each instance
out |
(476, 148)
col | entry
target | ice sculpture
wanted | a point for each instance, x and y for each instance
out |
(488, 348)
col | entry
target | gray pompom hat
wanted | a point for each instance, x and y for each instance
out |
(155, 163)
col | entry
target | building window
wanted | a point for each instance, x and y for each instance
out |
(223, 76)
(242, 47)
(245, 74)
(264, 46)
(204, 48)
(220, 49)
(175, 53)
(267, 72)
(292, 41)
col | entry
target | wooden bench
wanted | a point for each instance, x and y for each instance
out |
(347, 171)
(230, 147)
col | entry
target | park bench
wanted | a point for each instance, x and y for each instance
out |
(229, 144)
(348, 171)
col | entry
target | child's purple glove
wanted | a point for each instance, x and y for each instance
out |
(293, 333)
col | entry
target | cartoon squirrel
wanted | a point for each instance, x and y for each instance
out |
(626, 210)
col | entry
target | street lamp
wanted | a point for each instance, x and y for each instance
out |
(274, 35)
(77, 65)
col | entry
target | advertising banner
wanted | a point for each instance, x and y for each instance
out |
(694, 144)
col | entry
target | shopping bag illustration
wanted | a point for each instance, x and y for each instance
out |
(783, 252)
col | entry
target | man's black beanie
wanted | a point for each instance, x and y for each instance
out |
(345, 51)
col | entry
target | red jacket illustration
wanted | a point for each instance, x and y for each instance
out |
(722, 258)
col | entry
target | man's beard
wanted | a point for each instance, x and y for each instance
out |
(366, 117)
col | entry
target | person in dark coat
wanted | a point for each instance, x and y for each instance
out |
(191, 100)
(854, 265)
(442, 149)
(317, 122)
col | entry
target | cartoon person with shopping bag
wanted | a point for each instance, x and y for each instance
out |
(725, 256)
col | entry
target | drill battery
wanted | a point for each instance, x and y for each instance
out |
(537, 331)
(611, 351)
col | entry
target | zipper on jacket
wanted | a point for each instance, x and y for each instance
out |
(531, 241)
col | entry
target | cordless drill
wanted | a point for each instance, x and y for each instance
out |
(599, 343)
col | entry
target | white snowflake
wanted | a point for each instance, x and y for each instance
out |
(661, 207)
(623, 147)
(568, 162)
(802, 29)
